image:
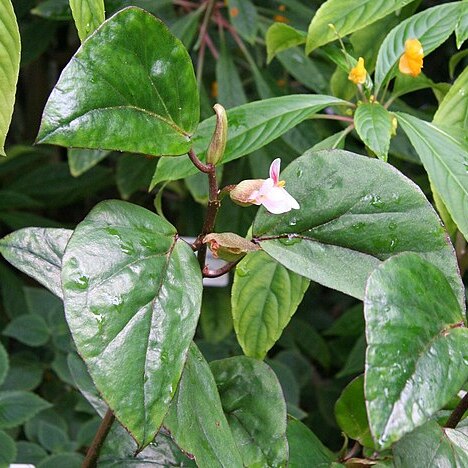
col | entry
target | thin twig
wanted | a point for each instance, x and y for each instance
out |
(342, 118)
(207, 273)
(457, 413)
(93, 452)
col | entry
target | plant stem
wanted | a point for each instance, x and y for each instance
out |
(220, 271)
(457, 413)
(206, 168)
(343, 118)
(101, 434)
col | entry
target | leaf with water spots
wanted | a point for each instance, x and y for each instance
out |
(132, 295)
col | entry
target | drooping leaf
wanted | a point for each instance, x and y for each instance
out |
(374, 125)
(197, 406)
(350, 412)
(130, 87)
(132, 294)
(81, 160)
(355, 212)
(244, 18)
(347, 16)
(280, 37)
(251, 126)
(10, 51)
(431, 27)
(38, 253)
(264, 297)
(445, 158)
(255, 408)
(416, 339)
(17, 407)
(88, 15)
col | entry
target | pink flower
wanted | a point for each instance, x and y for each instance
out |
(272, 194)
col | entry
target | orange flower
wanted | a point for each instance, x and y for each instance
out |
(358, 74)
(411, 61)
(280, 19)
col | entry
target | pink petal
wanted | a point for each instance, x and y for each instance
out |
(275, 170)
(278, 201)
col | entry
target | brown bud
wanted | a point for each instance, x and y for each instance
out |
(229, 246)
(242, 192)
(218, 141)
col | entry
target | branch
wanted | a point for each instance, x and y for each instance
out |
(207, 273)
(457, 413)
(96, 445)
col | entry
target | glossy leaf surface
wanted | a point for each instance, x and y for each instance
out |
(251, 126)
(416, 339)
(132, 294)
(130, 87)
(10, 49)
(444, 157)
(88, 15)
(255, 408)
(355, 212)
(347, 16)
(433, 445)
(374, 125)
(38, 253)
(197, 406)
(431, 27)
(265, 295)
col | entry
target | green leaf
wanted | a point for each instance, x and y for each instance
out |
(432, 445)
(305, 448)
(251, 126)
(17, 407)
(196, 419)
(347, 16)
(134, 172)
(280, 37)
(355, 361)
(407, 84)
(453, 110)
(29, 453)
(29, 329)
(38, 253)
(416, 339)
(53, 438)
(9, 67)
(243, 15)
(185, 28)
(431, 27)
(4, 365)
(25, 372)
(355, 212)
(81, 160)
(56, 10)
(445, 159)
(70, 460)
(336, 141)
(140, 301)
(256, 411)
(88, 15)
(130, 87)
(374, 125)
(216, 318)
(350, 413)
(265, 295)
(461, 29)
(7, 449)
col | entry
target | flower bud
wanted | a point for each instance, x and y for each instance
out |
(229, 246)
(242, 192)
(218, 141)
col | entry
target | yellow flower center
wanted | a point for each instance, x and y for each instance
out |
(281, 183)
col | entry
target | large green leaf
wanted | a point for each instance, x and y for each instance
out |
(265, 295)
(416, 340)
(196, 419)
(355, 212)
(10, 51)
(374, 125)
(17, 407)
(431, 27)
(38, 253)
(88, 15)
(445, 158)
(347, 16)
(132, 294)
(280, 37)
(130, 87)
(432, 445)
(256, 411)
(251, 126)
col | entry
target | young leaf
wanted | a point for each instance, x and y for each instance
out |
(38, 253)
(416, 339)
(433, 445)
(132, 294)
(196, 419)
(17, 407)
(355, 212)
(88, 15)
(431, 27)
(81, 160)
(280, 37)
(374, 126)
(445, 159)
(251, 126)
(130, 87)
(9, 67)
(347, 16)
(255, 408)
(265, 295)
(243, 15)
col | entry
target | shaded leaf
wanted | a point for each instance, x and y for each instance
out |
(81, 160)
(17, 407)
(7, 449)
(30, 329)
(243, 15)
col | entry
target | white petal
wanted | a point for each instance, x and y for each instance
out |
(278, 201)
